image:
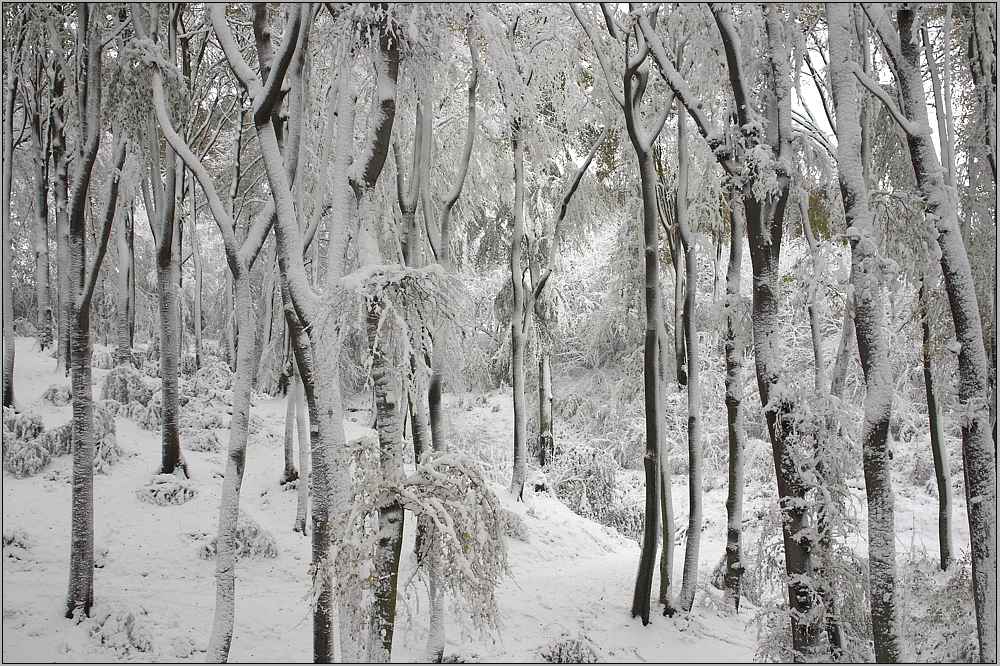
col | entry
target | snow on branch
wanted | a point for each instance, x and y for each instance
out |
(873, 86)
(601, 56)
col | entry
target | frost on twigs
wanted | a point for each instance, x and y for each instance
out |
(568, 650)
(59, 440)
(126, 631)
(252, 541)
(20, 426)
(57, 395)
(126, 384)
(166, 489)
(103, 359)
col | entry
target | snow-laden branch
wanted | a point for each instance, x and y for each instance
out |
(271, 93)
(243, 71)
(873, 86)
(682, 91)
(575, 183)
(731, 44)
(602, 58)
(886, 35)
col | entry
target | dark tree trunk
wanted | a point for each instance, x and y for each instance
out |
(650, 461)
(942, 466)
(546, 443)
(734, 408)
(517, 320)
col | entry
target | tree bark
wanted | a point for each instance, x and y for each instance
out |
(289, 473)
(734, 408)
(390, 514)
(40, 228)
(517, 317)
(689, 584)
(651, 528)
(123, 333)
(229, 505)
(942, 466)
(302, 424)
(869, 322)
(978, 450)
(10, 91)
(546, 442)
(60, 186)
(198, 279)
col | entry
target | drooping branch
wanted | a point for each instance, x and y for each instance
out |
(731, 45)
(575, 183)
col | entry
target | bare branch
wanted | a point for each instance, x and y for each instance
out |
(110, 206)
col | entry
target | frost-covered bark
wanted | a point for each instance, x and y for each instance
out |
(734, 408)
(198, 278)
(978, 449)
(869, 323)
(689, 583)
(60, 187)
(289, 473)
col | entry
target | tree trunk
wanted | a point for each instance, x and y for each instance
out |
(167, 276)
(196, 256)
(390, 515)
(677, 259)
(651, 457)
(10, 91)
(942, 466)
(546, 443)
(289, 473)
(663, 463)
(978, 450)
(689, 584)
(734, 408)
(302, 499)
(869, 322)
(517, 318)
(229, 504)
(123, 336)
(40, 232)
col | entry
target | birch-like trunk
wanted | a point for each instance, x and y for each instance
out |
(869, 323)
(289, 473)
(734, 408)
(942, 466)
(978, 450)
(692, 544)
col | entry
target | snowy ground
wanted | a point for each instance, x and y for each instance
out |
(572, 577)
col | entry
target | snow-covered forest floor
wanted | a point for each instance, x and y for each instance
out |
(155, 595)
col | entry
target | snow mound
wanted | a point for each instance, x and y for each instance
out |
(126, 384)
(252, 541)
(513, 525)
(568, 650)
(57, 395)
(166, 489)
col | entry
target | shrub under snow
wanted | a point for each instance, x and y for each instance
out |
(252, 541)
(166, 489)
(125, 384)
(25, 457)
(568, 650)
(57, 395)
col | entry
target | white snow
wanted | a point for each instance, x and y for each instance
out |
(572, 578)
